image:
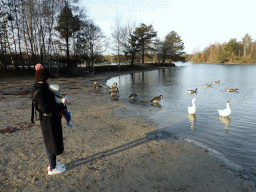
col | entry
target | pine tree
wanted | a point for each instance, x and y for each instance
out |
(68, 24)
(145, 34)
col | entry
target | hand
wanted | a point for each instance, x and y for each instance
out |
(64, 100)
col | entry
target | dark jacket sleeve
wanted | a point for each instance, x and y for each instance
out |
(45, 99)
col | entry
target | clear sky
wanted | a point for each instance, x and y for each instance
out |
(198, 22)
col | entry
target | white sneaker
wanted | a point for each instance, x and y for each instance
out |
(59, 165)
(55, 171)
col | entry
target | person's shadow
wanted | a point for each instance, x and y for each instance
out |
(158, 134)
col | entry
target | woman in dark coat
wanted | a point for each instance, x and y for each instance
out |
(50, 120)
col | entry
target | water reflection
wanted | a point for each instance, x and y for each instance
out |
(192, 120)
(226, 121)
(174, 84)
(133, 100)
(156, 105)
(114, 96)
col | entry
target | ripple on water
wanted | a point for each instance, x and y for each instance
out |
(233, 137)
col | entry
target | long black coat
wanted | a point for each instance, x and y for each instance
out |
(50, 125)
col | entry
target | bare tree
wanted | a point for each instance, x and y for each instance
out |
(246, 41)
(91, 42)
(130, 41)
(116, 35)
(5, 30)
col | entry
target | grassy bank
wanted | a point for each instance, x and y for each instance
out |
(81, 71)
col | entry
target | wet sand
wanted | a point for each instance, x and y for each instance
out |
(103, 152)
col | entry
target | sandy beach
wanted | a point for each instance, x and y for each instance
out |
(103, 152)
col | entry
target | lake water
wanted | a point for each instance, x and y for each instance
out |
(234, 137)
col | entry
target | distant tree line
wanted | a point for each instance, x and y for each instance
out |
(233, 52)
(141, 43)
(33, 31)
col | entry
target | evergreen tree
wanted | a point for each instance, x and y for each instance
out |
(145, 34)
(172, 48)
(68, 24)
(229, 51)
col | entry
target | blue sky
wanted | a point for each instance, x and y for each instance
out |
(198, 22)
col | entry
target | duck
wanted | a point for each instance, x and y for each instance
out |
(216, 82)
(192, 109)
(207, 85)
(192, 91)
(113, 89)
(225, 112)
(232, 90)
(132, 96)
(96, 86)
(156, 99)
(114, 85)
(113, 93)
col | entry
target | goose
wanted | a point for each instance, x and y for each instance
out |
(207, 85)
(132, 96)
(216, 82)
(114, 85)
(114, 89)
(192, 109)
(192, 91)
(232, 90)
(225, 112)
(157, 99)
(96, 86)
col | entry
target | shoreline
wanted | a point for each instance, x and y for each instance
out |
(103, 152)
(215, 153)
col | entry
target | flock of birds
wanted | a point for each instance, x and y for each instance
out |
(114, 92)
(222, 112)
(191, 110)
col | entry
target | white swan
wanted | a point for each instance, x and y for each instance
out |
(192, 110)
(225, 112)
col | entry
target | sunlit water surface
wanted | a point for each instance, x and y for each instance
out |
(234, 137)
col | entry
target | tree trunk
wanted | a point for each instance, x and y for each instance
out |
(164, 57)
(143, 52)
(6, 36)
(18, 29)
(251, 50)
(132, 61)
